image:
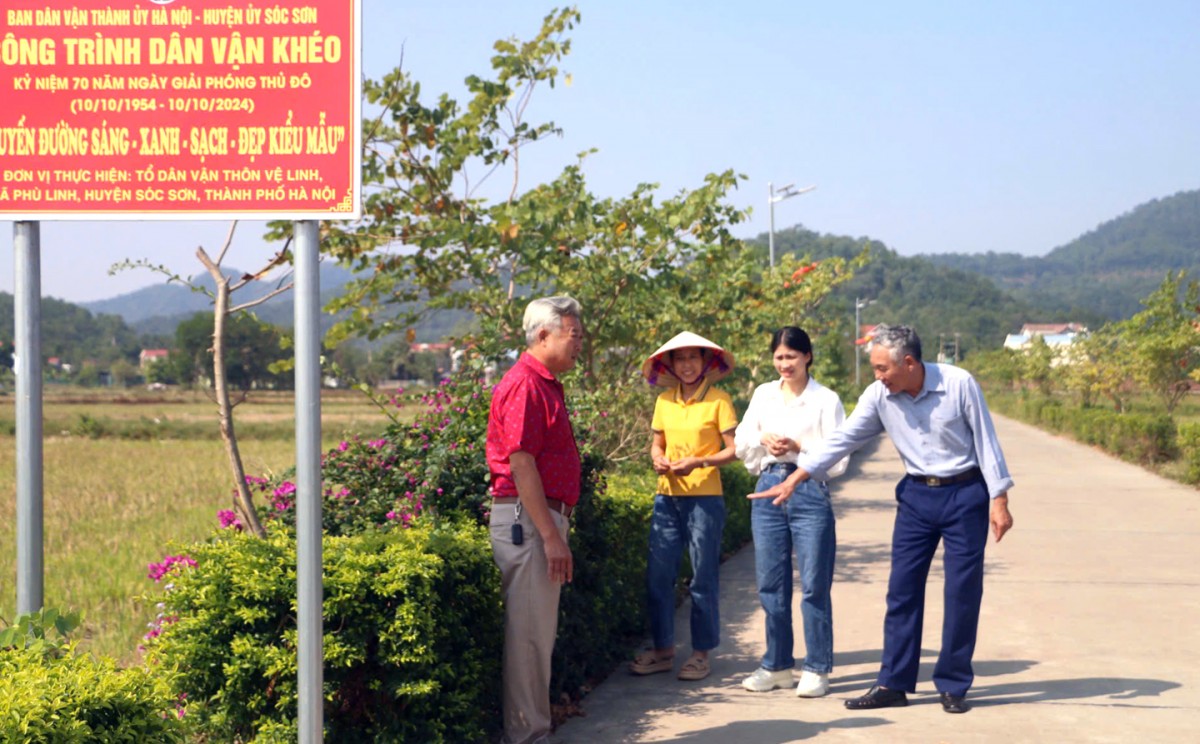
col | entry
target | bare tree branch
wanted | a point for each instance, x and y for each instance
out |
(261, 300)
(243, 502)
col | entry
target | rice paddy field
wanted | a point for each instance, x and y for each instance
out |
(129, 475)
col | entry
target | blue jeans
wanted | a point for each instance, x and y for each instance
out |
(803, 525)
(698, 520)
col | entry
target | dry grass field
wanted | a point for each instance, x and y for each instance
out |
(113, 503)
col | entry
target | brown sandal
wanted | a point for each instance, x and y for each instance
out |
(694, 668)
(648, 662)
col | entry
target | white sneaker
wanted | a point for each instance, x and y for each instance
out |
(812, 685)
(764, 680)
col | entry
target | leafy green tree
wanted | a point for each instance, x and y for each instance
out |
(1163, 343)
(251, 348)
(1098, 367)
(644, 266)
(1037, 365)
(997, 366)
(122, 373)
(87, 375)
(163, 371)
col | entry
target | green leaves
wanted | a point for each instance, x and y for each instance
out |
(31, 631)
(50, 693)
(1163, 341)
(398, 664)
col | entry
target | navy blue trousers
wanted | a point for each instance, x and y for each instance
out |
(958, 516)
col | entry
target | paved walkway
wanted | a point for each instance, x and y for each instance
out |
(1090, 629)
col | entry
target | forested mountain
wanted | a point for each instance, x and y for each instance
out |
(1106, 271)
(158, 309)
(73, 334)
(937, 301)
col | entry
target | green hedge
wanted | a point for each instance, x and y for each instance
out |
(413, 633)
(79, 698)
(1146, 439)
(1188, 439)
(413, 622)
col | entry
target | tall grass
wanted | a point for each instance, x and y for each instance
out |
(113, 504)
(112, 507)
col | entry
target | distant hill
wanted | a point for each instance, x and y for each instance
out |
(156, 310)
(163, 305)
(937, 301)
(75, 335)
(1104, 272)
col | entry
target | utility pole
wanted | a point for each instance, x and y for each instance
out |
(859, 304)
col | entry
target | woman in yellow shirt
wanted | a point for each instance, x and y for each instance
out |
(692, 435)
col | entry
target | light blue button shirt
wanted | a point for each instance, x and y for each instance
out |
(945, 430)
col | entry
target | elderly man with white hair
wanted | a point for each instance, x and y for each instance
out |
(535, 475)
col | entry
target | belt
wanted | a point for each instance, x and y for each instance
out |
(948, 480)
(551, 504)
(788, 466)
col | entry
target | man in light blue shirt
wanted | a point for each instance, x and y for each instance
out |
(957, 482)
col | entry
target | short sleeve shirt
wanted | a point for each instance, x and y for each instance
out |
(529, 414)
(693, 428)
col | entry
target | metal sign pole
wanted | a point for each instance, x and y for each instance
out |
(309, 597)
(28, 367)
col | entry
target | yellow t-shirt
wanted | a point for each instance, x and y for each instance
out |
(693, 428)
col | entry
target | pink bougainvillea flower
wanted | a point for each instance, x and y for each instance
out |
(159, 570)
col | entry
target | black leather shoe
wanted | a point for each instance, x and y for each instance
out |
(879, 697)
(954, 703)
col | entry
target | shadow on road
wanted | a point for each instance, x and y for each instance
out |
(777, 731)
(1106, 690)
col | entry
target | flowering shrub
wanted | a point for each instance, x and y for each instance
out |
(434, 464)
(412, 644)
(159, 570)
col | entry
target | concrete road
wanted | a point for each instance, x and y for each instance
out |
(1090, 629)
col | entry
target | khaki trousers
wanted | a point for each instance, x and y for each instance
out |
(530, 623)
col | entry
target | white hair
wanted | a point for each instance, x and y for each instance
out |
(548, 312)
(898, 340)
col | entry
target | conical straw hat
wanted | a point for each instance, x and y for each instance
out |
(657, 367)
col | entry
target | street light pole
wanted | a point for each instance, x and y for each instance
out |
(859, 304)
(786, 192)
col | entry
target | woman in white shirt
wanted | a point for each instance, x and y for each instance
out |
(785, 417)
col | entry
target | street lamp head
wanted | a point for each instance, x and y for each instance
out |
(787, 192)
(773, 195)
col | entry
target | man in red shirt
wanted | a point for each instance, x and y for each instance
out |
(535, 469)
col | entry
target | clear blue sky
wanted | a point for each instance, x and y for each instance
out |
(932, 126)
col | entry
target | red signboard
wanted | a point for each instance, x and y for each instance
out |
(180, 109)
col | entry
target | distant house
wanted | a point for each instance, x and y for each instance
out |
(1058, 336)
(430, 347)
(1052, 329)
(150, 356)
